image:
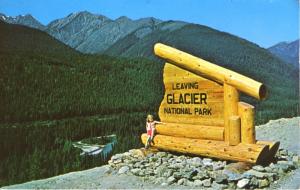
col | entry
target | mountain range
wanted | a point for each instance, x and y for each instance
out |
(93, 33)
(287, 51)
(44, 78)
(26, 20)
(87, 32)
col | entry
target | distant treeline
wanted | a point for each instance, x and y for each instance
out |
(38, 150)
(40, 89)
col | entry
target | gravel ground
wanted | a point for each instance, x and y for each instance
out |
(287, 131)
(95, 178)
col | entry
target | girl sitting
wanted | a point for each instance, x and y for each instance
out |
(150, 127)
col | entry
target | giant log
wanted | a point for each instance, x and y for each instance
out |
(191, 131)
(246, 112)
(234, 130)
(231, 98)
(252, 153)
(273, 148)
(211, 71)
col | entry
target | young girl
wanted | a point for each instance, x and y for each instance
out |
(150, 126)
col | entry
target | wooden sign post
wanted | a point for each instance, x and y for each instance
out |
(202, 111)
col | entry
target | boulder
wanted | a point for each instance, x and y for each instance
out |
(181, 181)
(171, 180)
(263, 183)
(135, 171)
(207, 162)
(221, 178)
(207, 182)
(242, 183)
(198, 183)
(258, 168)
(123, 170)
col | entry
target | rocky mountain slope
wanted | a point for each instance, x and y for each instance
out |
(287, 51)
(87, 32)
(26, 20)
(93, 33)
(207, 173)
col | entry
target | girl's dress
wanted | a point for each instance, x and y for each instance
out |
(151, 127)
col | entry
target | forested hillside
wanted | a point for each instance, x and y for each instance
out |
(43, 79)
(52, 96)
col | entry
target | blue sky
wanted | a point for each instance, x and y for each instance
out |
(265, 22)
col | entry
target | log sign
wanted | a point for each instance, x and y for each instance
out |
(187, 98)
(190, 98)
(202, 113)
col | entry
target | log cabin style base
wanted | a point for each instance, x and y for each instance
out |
(202, 113)
(252, 153)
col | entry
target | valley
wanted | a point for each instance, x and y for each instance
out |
(59, 89)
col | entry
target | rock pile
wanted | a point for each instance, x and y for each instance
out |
(168, 169)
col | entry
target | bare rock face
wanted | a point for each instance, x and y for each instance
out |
(26, 20)
(93, 33)
(76, 28)
(287, 51)
(112, 31)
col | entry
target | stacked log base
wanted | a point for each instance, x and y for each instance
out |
(211, 134)
(252, 153)
(191, 131)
